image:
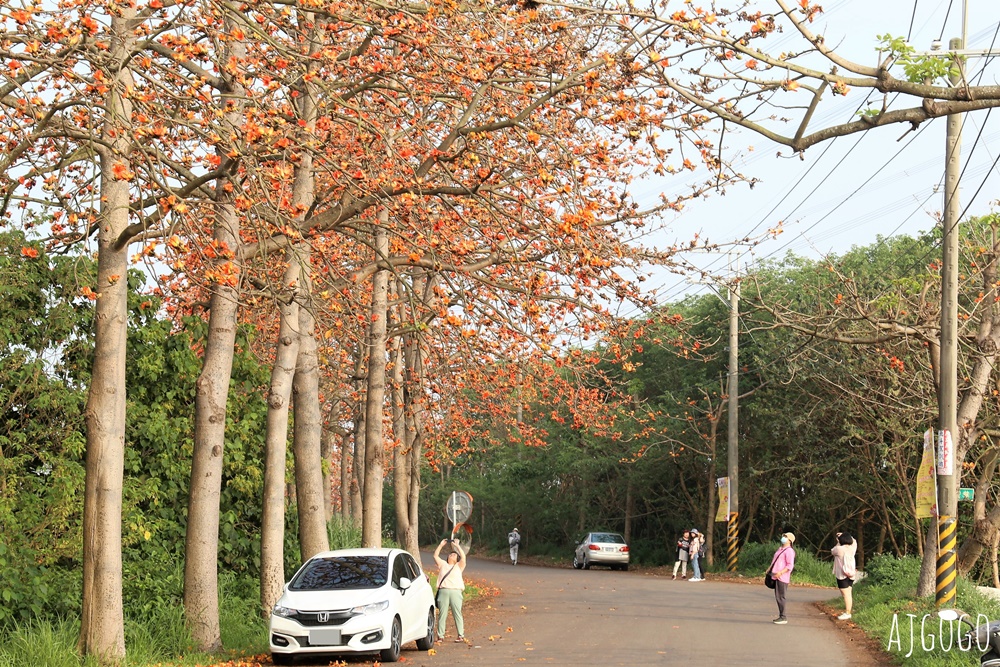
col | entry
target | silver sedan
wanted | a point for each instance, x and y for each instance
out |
(601, 549)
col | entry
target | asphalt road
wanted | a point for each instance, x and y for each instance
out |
(552, 616)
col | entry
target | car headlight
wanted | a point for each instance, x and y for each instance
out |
(283, 611)
(372, 608)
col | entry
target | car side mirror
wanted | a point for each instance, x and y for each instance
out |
(404, 583)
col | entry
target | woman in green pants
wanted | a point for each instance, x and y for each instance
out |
(451, 587)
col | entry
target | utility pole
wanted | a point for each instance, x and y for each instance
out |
(947, 500)
(733, 461)
(733, 390)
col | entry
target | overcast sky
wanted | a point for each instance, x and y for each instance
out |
(848, 191)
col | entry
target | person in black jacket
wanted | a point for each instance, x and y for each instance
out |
(683, 542)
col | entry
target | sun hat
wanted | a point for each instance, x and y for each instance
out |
(790, 536)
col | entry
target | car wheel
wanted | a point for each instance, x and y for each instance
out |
(282, 658)
(576, 562)
(586, 563)
(427, 643)
(391, 654)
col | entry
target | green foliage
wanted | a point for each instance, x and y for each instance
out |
(885, 604)
(155, 631)
(343, 534)
(889, 571)
(239, 613)
(755, 558)
(50, 642)
(918, 68)
(45, 357)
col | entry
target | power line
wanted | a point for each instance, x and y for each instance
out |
(913, 16)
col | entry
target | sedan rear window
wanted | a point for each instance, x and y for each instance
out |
(341, 572)
(607, 538)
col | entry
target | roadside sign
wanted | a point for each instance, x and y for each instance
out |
(966, 494)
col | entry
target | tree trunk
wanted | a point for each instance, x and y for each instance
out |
(713, 493)
(201, 583)
(328, 444)
(629, 509)
(993, 560)
(358, 469)
(928, 567)
(401, 451)
(345, 476)
(371, 524)
(308, 428)
(272, 531)
(414, 414)
(102, 628)
(984, 526)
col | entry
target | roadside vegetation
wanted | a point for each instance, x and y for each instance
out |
(157, 634)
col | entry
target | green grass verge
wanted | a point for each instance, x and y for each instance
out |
(887, 608)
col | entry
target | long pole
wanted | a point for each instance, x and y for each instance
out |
(733, 431)
(947, 500)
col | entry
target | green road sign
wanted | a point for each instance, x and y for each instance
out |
(966, 494)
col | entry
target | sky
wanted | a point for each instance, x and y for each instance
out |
(848, 191)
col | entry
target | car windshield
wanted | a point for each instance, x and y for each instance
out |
(607, 538)
(341, 572)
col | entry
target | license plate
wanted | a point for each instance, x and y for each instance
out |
(324, 637)
(610, 549)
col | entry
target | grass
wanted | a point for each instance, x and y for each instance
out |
(885, 604)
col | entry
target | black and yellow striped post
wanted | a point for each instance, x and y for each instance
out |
(732, 555)
(947, 570)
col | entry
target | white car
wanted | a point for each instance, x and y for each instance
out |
(601, 549)
(353, 601)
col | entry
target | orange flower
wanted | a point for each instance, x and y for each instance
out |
(121, 172)
(31, 253)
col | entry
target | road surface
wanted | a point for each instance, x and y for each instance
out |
(553, 616)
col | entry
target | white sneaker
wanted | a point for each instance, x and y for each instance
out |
(843, 617)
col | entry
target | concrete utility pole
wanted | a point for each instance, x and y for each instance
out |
(733, 461)
(947, 500)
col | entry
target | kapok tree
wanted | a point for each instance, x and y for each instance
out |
(102, 114)
(516, 170)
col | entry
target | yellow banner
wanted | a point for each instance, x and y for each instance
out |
(927, 480)
(722, 514)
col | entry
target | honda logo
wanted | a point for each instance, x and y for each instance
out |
(323, 616)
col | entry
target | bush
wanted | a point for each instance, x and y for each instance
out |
(887, 570)
(755, 558)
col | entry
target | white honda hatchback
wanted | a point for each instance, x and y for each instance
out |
(353, 601)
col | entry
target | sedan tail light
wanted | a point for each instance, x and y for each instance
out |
(625, 549)
(594, 547)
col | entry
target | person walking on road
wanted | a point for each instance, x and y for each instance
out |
(781, 571)
(450, 587)
(694, 553)
(683, 543)
(845, 569)
(514, 540)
